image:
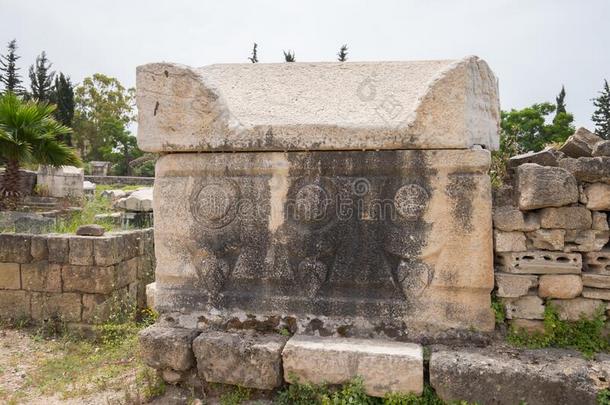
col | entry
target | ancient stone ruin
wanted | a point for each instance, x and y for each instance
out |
(344, 201)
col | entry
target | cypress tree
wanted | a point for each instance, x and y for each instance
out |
(560, 101)
(342, 54)
(9, 72)
(41, 78)
(62, 95)
(289, 56)
(601, 115)
(254, 57)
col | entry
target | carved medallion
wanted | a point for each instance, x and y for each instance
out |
(215, 204)
(411, 200)
(311, 204)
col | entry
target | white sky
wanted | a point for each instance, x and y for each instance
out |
(534, 46)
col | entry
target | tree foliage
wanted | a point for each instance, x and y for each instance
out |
(41, 78)
(254, 57)
(289, 56)
(9, 72)
(342, 54)
(560, 106)
(62, 96)
(601, 115)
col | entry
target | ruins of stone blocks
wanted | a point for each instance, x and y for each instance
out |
(359, 206)
(63, 181)
(99, 168)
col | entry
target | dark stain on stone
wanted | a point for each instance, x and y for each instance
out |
(461, 190)
(156, 108)
(316, 325)
(344, 330)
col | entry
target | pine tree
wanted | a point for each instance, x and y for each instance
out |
(289, 56)
(254, 57)
(560, 101)
(62, 95)
(9, 72)
(41, 79)
(342, 54)
(601, 115)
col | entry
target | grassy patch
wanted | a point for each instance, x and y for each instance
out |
(498, 309)
(584, 335)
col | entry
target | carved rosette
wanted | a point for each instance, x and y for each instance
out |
(215, 204)
(411, 201)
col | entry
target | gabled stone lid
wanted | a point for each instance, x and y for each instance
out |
(317, 106)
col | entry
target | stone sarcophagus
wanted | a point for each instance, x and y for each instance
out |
(357, 200)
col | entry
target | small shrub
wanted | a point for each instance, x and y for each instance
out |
(236, 396)
(499, 310)
(603, 397)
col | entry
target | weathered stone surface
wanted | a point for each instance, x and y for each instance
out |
(566, 218)
(542, 186)
(139, 201)
(97, 308)
(509, 218)
(577, 308)
(127, 272)
(528, 325)
(165, 347)
(580, 144)
(539, 262)
(511, 376)
(384, 366)
(35, 224)
(90, 230)
(585, 240)
(270, 107)
(527, 307)
(559, 286)
(64, 181)
(600, 221)
(598, 262)
(14, 304)
(113, 194)
(601, 148)
(514, 285)
(546, 157)
(39, 249)
(65, 306)
(244, 359)
(596, 280)
(509, 241)
(590, 170)
(59, 248)
(9, 276)
(596, 293)
(150, 295)
(312, 236)
(81, 251)
(99, 168)
(27, 181)
(41, 276)
(90, 279)
(108, 250)
(598, 196)
(546, 239)
(15, 248)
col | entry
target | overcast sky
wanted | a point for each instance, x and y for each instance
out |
(533, 46)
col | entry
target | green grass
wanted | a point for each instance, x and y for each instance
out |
(498, 309)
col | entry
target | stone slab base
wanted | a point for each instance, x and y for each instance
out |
(384, 366)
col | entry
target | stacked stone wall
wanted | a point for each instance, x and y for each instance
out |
(78, 279)
(551, 234)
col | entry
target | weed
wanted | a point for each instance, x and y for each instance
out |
(498, 309)
(236, 396)
(603, 397)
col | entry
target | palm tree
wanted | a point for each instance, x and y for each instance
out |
(28, 134)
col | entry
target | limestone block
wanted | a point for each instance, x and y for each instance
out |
(530, 326)
(306, 233)
(601, 148)
(139, 201)
(509, 241)
(64, 181)
(39, 248)
(165, 347)
(9, 276)
(131, 243)
(514, 285)
(89, 279)
(598, 262)
(244, 359)
(559, 286)
(546, 157)
(127, 272)
(41, 276)
(99, 168)
(585, 240)
(580, 144)
(59, 248)
(546, 239)
(90, 230)
(97, 308)
(577, 308)
(508, 218)
(275, 106)
(596, 293)
(596, 280)
(509, 377)
(15, 248)
(150, 295)
(81, 251)
(527, 307)
(34, 224)
(543, 186)
(108, 250)
(66, 306)
(539, 262)
(600, 221)
(566, 218)
(590, 170)
(384, 366)
(113, 195)
(14, 304)
(598, 196)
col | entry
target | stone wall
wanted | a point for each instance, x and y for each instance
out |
(551, 235)
(80, 279)
(27, 181)
(121, 180)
